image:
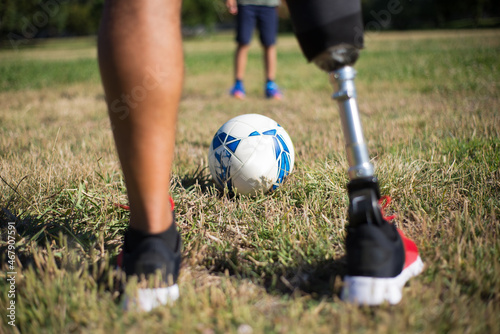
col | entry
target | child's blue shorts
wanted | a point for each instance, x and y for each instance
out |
(266, 19)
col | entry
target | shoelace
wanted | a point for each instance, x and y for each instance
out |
(384, 202)
(123, 206)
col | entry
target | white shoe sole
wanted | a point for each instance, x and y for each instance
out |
(147, 299)
(375, 291)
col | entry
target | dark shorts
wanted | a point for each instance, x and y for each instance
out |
(266, 19)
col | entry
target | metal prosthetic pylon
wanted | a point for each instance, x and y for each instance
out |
(363, 189)
(356, 149)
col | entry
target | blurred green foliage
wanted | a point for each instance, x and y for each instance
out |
(27, 19)
(203, 12)
(429, 14)
(48, 18)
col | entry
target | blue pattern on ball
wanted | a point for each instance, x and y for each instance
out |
(231, 144)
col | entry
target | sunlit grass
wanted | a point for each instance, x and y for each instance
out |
(429, 104)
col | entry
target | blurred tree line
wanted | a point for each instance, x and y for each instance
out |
(26, 19)
(430, 14)
(47, 18)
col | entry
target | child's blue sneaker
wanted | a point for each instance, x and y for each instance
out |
(238, 91)
(273, 91)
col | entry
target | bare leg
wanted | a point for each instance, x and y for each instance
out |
(240, 61)
(141, 63)
(270, 61)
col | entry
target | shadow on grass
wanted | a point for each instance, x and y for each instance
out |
(58, 244)
(48, 246)
(202, 179)
(37, 231)
(320, 279)
(199, 178)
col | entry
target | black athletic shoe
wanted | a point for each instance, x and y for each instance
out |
(144, 255)
(380, 260)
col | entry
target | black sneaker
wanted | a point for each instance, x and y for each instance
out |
(380, 259)
(145, 255)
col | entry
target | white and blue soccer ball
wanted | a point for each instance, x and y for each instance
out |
(251, 154)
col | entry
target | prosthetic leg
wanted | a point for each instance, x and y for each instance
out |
(379, 258)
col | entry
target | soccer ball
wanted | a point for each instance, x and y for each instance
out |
(251, 154)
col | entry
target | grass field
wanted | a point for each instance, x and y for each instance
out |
(273, 264)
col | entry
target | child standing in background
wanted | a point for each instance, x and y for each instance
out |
(264, 14)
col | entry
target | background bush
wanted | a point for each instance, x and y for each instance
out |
(27, 19)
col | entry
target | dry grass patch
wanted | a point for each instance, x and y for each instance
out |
(271, 264)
